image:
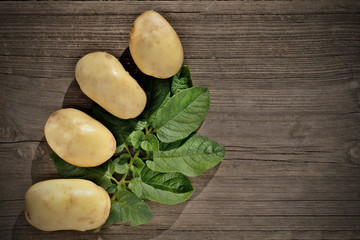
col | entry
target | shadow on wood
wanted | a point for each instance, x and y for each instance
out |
(42, 168)
(128, 63)
(164, 215)
(75, 98)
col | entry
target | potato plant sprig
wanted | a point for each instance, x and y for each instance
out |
(156, 151)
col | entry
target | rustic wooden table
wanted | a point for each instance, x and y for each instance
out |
(284, 82)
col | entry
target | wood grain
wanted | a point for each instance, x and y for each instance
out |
(284, 83)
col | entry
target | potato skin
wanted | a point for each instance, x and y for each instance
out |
(103, 79)
(66, 204)
(78, 138)
(155, 46)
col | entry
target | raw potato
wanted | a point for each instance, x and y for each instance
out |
(103, 79)
(155, 46)
(78, 138)
(66, 204)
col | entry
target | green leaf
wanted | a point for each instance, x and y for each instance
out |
(110, 168)
(114, 216)
(138, 123)
(121, 187)
(150, 143)
(101, 175)
(167, 188)
(169, 146)
(120, 148)
(192, 157)
(137, 164)
(157, 94)
(128, 207)
(121, 163)
(181, 80)
(111, 189)
(120, 128)
(136, 138)
(182, 114)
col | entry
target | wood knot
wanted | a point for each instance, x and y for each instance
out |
(353, 153)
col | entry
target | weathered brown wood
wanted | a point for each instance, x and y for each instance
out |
(284, 83)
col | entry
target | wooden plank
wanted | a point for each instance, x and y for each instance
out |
(231, 7)
(284, 83)
(255, 235)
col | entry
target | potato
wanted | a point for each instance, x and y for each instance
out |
(66, 204)
(155, 46)
(103, 79)
(78, 138)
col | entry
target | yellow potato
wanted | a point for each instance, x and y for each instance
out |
(66, 204)
(155, 46)
(103, 79)
(78, 138)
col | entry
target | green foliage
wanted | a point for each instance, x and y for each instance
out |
(181, 80)
(157, 94)
(182, 114)
(150, 143)
(167, 188)
(120, 148)
(135, 138)
(137, 165)
(154, 151)
(121, 163)
(101, 175)
(194, 156)
(128, 207)
(120, 128)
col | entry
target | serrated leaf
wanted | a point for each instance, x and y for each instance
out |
(150, 143)
(181, 80)
(128, 207)
(100, 175)
(136, 138)
(157, 94)
(121, 163)
(137, 164)
(192, 157)
(167, 188)
(120, 128)
(182, 114)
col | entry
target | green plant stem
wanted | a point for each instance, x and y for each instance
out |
(116, 181)
(127, 148)
(98, 229)
(113, 197)
(148, 130)
(136, 155)
(122, 180)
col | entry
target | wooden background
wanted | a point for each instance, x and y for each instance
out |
(284, 83)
